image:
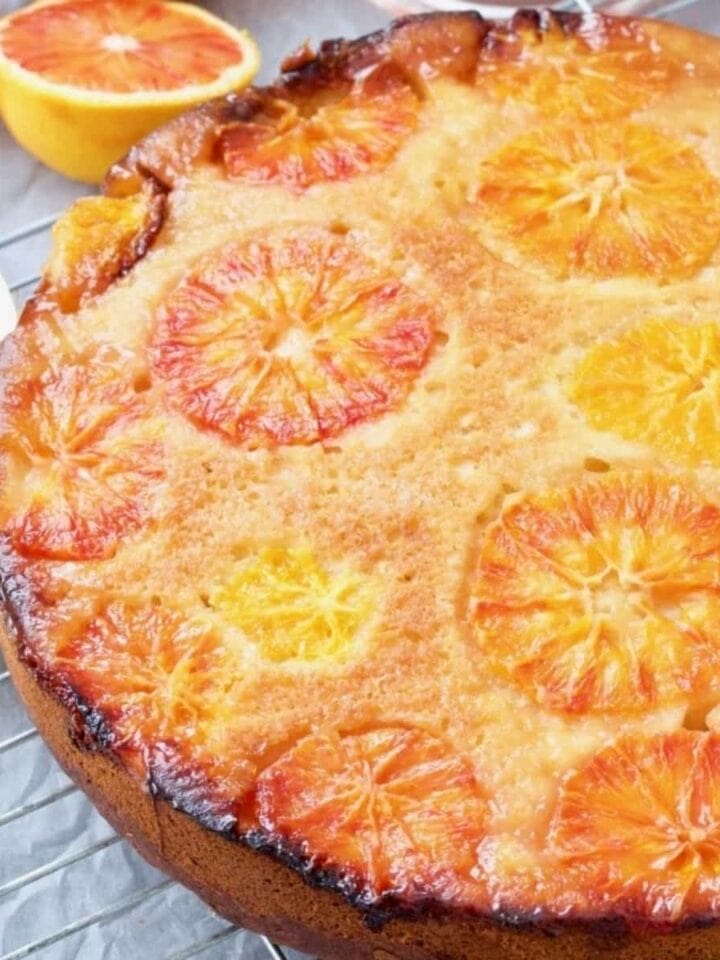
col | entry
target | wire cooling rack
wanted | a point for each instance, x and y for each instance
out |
(70, 888)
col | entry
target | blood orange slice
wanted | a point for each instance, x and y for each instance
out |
(82, 80)
(606, 71)
(79, 463)
(293, 608)
(603, 597)
(602, 201)
(391, 809)
(657, 384)
(290, 338)
(640, 825)
(360, 132)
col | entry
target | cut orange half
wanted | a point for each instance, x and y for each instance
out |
(82, 80)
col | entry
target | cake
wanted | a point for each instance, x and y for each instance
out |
(360, 515)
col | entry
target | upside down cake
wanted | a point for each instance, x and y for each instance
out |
(360, 506)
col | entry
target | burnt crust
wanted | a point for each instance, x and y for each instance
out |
(83, 739)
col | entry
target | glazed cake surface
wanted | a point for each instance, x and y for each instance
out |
(360, 455)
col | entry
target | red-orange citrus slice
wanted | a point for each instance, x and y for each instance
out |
(80, 464)
(609, 200)
(391, 809)
(82, 80)
(360, 132)
(658, 383)
(290, 338)
(639, 826)
(603, 596)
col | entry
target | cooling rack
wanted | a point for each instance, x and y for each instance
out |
(70, 888)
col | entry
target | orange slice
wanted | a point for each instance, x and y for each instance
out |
(80, 465)
(145, 669)
(293, 608)
(360, 132)
(290, 338)
(391, 809)
(603, 596)
(98, 240)
(83, 80)
(639, 825)
(659, 384)
(608, 70)
(620, 200)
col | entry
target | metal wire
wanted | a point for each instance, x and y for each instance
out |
(17, 812)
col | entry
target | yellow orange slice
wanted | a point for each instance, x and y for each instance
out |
(615, 200)
(83, 80)
(602, 596)
(390, 809)
(360, 132)
(639, 826)
(659, 384)
(80, 464)
(290, 338)
(606, 71)
(293, 608)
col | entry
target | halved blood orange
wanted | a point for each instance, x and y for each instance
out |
(83, 80)
(390, 809)
(145, 669)
(603, 596)
(292, 607)
(290, 338)
(607, 200)
(639, 826)
(602, 72)
(359, 132)
(79, 462)
(658, 383)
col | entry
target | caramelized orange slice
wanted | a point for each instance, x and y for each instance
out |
(79, 463)
(603, 596)
(359, 133)
(390, 809)
(640, 825)
(606, 71)
(146, 670)
(293, 608)
(620, 200)
(660, 384)
(98, 240)
(291, 338)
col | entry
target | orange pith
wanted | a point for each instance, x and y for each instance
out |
(659, 384)
(391, 808)
(291, 338)
(292, 607)
(603, 597)
(602, 201)
(118, 46)
(640, 824)
(78, 461)
(600, 74)
(361, 132)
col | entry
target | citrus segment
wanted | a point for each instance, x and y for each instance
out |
(292, 607)
(603, 72)
(145, 669)
(79, 462)
(660, 384)
(340, 140)
(603, 596)
(290, 338)
(119, 46)
(392, 809)
(640, 824)
(98, 240)
(602, 201)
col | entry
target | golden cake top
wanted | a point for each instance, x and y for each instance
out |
(359, 460)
